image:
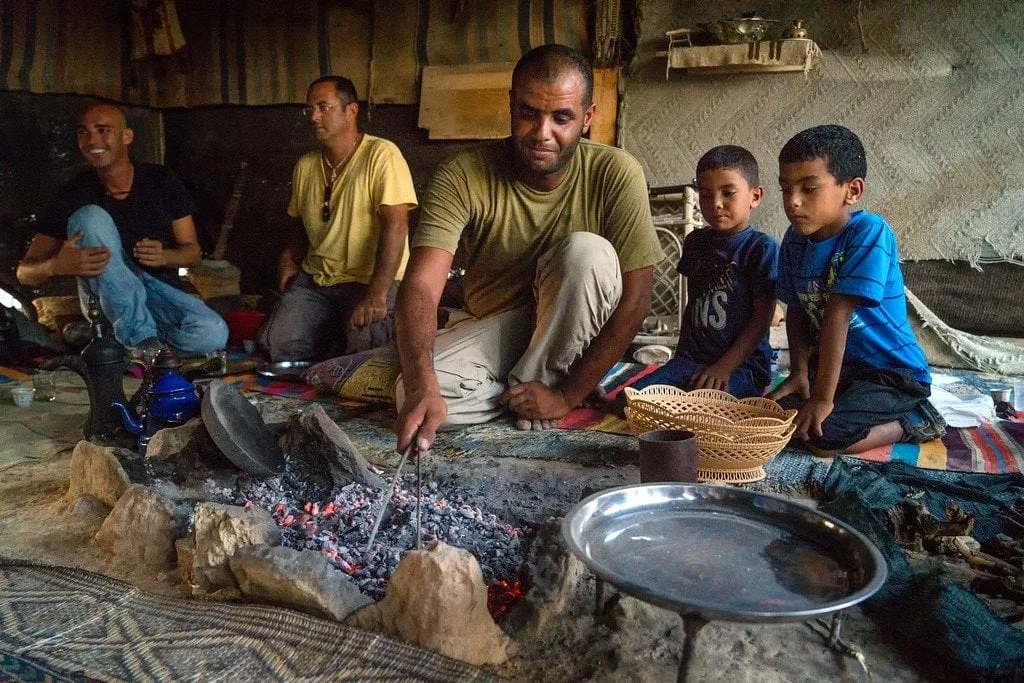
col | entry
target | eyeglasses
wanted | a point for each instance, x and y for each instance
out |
(325, 208)
(323, 108)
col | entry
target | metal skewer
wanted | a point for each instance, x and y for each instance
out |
(387, 497)
(419, 498)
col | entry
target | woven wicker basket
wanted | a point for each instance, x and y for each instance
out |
(735, 437)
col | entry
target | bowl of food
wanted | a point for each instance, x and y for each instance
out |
(743, 30)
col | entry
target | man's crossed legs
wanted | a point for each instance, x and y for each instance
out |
(577, 287)
(138, 305)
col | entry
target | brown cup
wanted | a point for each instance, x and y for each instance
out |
(668, 455)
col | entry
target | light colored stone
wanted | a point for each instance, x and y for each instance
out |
(140, 528)
(172, 440)
(302, 580)
(220, 530)
(437, 599)
(88, 507)
(96, 471)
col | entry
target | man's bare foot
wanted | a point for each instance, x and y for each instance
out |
(535, 425)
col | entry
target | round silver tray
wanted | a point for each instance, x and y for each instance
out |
(719, 552)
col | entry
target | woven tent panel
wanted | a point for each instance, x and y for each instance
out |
(938, 100)
(104, 629)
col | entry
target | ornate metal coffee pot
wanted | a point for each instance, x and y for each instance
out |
(102, 365)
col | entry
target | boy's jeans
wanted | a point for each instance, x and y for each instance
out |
(681, 367)
(138, 305)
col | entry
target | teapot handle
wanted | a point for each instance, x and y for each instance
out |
(137, 402)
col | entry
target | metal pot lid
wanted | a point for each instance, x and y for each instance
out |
(239, 431)
(720, 552)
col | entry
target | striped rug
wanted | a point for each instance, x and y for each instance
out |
(992, 448)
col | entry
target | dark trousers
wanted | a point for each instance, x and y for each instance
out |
(310, 322)
(865, 397)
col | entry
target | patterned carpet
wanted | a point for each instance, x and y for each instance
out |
(64, 624)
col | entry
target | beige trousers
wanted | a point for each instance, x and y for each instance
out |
(576, 288)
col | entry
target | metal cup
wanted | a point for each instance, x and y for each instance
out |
(1000, 395)
(668, 455)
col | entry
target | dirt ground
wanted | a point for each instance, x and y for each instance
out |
(630, 641)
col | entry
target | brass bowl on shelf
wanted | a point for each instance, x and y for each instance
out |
(732, 31)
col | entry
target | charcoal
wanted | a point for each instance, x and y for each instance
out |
(336, 521)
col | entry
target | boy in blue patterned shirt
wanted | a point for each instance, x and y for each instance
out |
(730, 271)
(857, 375)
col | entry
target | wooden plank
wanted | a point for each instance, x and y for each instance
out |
(466, 102)
(606, 97)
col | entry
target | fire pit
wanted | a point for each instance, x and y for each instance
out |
(339, 525)
(716, 552)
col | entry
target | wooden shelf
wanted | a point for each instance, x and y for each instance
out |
(765, 56)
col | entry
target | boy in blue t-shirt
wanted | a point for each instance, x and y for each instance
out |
(857, 374)
(730, 270)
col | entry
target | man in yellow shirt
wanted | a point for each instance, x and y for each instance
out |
(339, 273)
(560, 247)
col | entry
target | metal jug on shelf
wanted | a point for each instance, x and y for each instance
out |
(797, 30)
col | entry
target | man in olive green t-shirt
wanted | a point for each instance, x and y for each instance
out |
(559, 247)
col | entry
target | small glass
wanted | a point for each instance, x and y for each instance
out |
(221, 366)
(45, 383)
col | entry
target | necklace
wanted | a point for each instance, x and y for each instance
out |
(120, 194)
(335, 169)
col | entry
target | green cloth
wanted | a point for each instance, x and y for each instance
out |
(475, 203)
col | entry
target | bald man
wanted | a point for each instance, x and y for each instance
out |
(560, 251)
(124, 229)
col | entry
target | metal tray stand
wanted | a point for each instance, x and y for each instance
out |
(718, 552)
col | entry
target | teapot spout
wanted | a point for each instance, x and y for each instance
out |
(131, 423)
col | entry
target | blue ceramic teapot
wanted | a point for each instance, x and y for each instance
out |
(165, 399)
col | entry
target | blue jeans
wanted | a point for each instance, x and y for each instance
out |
(678, 371)
(138, 305)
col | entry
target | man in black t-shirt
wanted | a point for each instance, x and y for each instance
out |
(124, 229)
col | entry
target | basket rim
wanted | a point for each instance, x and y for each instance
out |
(677, 402)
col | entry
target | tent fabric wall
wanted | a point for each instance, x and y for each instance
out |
(256, 52)
(265, 51)
(410, 34)
(937, 98)
(63, 46)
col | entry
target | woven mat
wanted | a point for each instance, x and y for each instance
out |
(70, 624)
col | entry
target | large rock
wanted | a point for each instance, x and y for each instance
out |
(302, 580)
(324, 453)
(220, 530)
(437, 599)
(96, 471)
(141, 528)
(173, 440)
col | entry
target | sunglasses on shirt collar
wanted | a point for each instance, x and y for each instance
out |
(325, 208)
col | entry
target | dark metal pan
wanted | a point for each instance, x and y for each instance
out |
(239, 431)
